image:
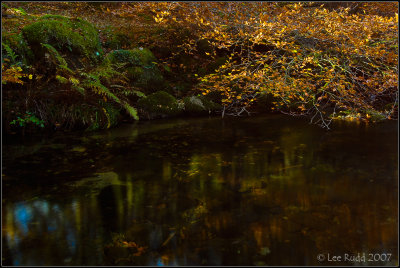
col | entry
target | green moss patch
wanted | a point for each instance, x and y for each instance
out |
(65, 34)
(140, 66)
(160, 104)
(200, 105)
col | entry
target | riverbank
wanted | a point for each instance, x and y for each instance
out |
(131, 61)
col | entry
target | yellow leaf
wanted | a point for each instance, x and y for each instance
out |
(30, 76)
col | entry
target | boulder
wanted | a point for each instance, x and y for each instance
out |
(159, 105)
(73, 37)
(199, 105)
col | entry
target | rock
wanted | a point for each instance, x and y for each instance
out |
(160, 104)
(197, 105)
(116, 40)
(73, 37)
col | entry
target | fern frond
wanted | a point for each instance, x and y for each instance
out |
(108, 75)
(126, 91)
(55, 55)
(131, 111)
(79, 89)
(61, 79)
(10, 52)
(108, 117)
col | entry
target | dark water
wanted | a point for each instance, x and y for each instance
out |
(266, 190)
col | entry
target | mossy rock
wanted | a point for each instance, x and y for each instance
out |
(178, 89)
(140, 66)
(69, 36)
(115, 40)
(198, 105)
(160, 105)
(376, 116)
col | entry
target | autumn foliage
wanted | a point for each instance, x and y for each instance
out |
(314, 61)
(325, 60)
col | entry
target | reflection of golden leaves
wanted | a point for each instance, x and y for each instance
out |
(165, 259)
(139, 250)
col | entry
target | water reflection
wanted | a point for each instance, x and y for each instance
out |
(257, 191)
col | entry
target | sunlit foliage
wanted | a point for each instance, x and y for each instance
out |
(322, 59)
(312, 60)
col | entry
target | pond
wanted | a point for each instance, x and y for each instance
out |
(260, 190)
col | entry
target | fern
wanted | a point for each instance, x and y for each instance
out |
(66, 69)
(81, 90)
(108, 74)
(61, 79)
(74, 81)
(55, 55)
(58, 59)
(108, 117)
(131, 111)
(100, 89)
(10, 53)
(93, 81)
(128, 91)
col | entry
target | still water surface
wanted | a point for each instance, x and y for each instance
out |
(264, 190)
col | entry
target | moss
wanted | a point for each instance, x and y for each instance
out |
(160, 104)
(140, 66)
(138, 56)
(364, 114)
(114, 39)
(375, 116)
(199, 105)
(74, 35)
